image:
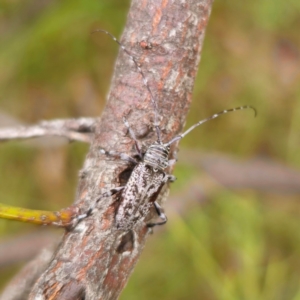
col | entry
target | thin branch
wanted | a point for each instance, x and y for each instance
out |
(19, 287)
(256, 174)
(30, 244)
(80, 130)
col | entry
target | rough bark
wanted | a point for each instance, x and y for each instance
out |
(94, 260)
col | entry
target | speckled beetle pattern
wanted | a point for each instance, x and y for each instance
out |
(140, 193)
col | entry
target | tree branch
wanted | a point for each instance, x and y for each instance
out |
(72, 129)
(95, 260)
(19, 287)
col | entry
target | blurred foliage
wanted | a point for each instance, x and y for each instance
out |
(242, 245)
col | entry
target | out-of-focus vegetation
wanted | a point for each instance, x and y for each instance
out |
(239, 244)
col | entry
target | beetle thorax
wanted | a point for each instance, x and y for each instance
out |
(157, 156)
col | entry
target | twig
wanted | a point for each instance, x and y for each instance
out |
(19, 287)
(73, 129)
(29, 243)
(256, 174)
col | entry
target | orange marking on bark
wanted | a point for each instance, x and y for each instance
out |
(144, 4)
(83, 194)
(106, 221)
(165, 73)
(164, 4)
(178, 79)
(156, 20)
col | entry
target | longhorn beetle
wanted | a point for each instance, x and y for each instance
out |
(139, 195)
(148, 177)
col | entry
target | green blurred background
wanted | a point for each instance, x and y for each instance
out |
(237, 243)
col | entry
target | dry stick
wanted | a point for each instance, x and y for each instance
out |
(31, 244)
(72, 129)
(18, 288)
(259, 174)
(94, 260)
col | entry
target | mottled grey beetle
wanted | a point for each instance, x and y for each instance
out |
(148, 177)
